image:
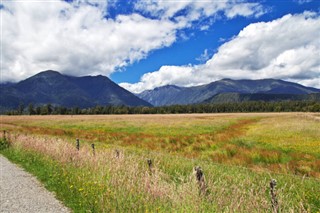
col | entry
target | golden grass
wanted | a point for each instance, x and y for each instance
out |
(105, 182)
(278, 142)
(299, 132)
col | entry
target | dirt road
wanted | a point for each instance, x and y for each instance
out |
(21, 192)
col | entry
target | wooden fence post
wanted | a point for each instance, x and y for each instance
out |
(149, 161)
(93, 149)
(200, 179)
(274, 200)
(117, 153)
(78, 144)
(4, 135)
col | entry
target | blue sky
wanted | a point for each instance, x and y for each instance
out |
(146, 44)
(189, 51)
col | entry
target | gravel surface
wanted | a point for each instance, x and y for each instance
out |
(21, 192)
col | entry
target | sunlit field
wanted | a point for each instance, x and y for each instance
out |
(286, 142)
(238, 153)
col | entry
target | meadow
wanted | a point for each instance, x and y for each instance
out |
(238, 153)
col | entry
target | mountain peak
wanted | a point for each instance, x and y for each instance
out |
(48, 73)
(226, 79)
(48, 76)
(61, 90)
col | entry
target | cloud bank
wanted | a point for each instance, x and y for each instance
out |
(79, 38)
(75, 39)
(286, 48)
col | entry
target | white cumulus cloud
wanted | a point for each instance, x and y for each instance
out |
(187, 11)
(79, 38)
(286, 48)
(75, 38)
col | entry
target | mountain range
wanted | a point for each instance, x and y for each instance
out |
(89, 91)
(238, 97)
(61, 90)
(277, 90)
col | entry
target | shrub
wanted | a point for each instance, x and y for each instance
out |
(4, 143)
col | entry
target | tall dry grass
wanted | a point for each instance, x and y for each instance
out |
(107, 182)
(276, 142)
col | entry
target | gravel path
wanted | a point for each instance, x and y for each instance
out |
(21, 192)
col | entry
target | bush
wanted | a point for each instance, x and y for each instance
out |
(4, 143)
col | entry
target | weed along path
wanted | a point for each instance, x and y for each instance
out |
(21, 192)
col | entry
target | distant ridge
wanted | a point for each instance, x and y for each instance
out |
(238, 97)
(170, 95)
(61, 90)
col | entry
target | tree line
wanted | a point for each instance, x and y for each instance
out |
(250, 106)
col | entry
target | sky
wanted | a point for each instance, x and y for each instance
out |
(146, 44)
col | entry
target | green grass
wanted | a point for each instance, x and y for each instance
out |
(104, 183)
(159, 126)
(278, 142)
(294, 133)
(239, 154)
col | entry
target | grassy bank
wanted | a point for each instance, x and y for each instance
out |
(273, 142)
(107, 182)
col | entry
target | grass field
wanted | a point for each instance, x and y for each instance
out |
(239, 154)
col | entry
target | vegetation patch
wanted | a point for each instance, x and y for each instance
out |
(4, 144)
(122, 181)
(273, 142)
(238, 153)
